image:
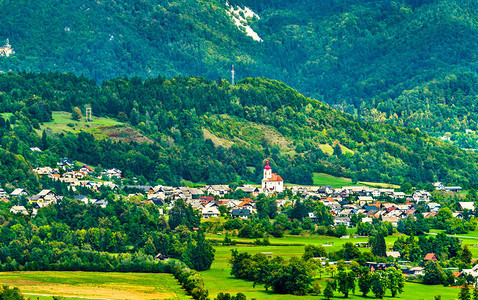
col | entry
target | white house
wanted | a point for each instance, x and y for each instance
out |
(19, 193)
(467, 205)
(18, 209)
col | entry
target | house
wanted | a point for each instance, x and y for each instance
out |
(393, 220)
(327, 190)
(438, 185)
(394, 254)
(240, 213)
(421, 196)
(271, 183)
(85, 169)
(18, 209)
(19, 193)
(434, 207)
(206, 199)
(399, 195)
(415, 271)
(473, 272)
(110, 173)
(467, 205)
(217, 189)
(43, 170)
(65, 163)
(457, 215)
(455, 189)
(367, 220)
(430, 256)
(249, 190)
(373, 266)
(3, 193)
(210, 212)
(157, 201)
(82, 198)
(101, 203)
(342, 220)
(363, 200)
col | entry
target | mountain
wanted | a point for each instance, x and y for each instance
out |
(200, 130)
(409, 63)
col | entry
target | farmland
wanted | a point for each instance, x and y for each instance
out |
(95, 285)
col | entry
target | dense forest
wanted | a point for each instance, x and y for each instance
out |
(253, 120)
(406, 62)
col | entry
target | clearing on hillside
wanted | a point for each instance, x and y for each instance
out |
(101, 128)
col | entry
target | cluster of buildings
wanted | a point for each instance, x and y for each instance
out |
(343, 202)
(74, 178)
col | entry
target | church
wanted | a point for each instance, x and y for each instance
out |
(271, 183)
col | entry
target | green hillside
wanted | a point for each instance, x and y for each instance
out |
(409, 63)
(209, 131)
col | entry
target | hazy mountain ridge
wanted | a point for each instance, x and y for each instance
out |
(410, 63)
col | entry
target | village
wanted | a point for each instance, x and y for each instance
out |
(342, 202)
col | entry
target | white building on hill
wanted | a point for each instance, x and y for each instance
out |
(271, 183)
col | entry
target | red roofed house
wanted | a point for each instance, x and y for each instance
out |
(272, 183)
(430, 256)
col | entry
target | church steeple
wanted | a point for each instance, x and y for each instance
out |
(267, 170)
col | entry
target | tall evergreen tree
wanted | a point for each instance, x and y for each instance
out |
(379, 248)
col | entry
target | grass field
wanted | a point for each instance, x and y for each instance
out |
(321, 179)
(95, 285)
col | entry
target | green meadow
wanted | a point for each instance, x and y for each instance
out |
(321, 179)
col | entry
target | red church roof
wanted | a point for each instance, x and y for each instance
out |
(267, 167)
(275, 177)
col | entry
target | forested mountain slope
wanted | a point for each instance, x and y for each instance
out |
(410, 62)
(210, 131)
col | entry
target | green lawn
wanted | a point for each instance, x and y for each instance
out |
(321, 179)
(95, 285)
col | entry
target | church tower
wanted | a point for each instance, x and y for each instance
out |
(267, 171)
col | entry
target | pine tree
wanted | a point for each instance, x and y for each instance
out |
(464, 293)
(329, 291)
(44, 140)
(466, 255)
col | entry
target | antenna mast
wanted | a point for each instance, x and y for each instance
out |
(232, 75)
